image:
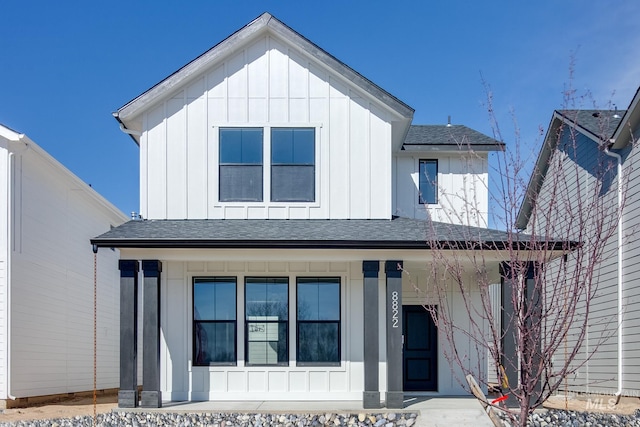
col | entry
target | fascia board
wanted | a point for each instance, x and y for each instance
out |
(622, 135)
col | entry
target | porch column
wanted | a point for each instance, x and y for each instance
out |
(371, 394)
(151, 396)
(128, 393)
(395, 395)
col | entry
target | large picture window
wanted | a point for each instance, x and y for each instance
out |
(214, 321)
(293, 164)
(267, 321)
(428, 182)
(318, 321)
(241, 164)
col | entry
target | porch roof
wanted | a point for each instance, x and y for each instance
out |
(394, 233)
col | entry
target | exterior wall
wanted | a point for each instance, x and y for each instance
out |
(52, 282)
(463, 195)
(4, 247)
(600, 373)
(266, 84)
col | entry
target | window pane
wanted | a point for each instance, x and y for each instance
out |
(304, 146)
(241, 145)
(214, 299)
(318, 342)
(241, 183)
(252, 146)
(214, 342)
(318, 299)
(428, 180)
(266, 342)
(293, 183)
(267, 299)
(282, 146)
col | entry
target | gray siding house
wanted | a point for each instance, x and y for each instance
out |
(595, 151)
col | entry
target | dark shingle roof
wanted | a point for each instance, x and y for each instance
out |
(448, 137)
(601, 123)
(397, 233)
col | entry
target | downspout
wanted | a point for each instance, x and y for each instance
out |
(9, 278)
(129, 131)
(618, 158)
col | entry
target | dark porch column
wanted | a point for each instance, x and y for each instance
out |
(128, 393)
(395, 395)
(371, 395)
(151, 396)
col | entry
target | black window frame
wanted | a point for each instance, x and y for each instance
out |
(222, 165)
(207, 279)
(286, 322)
(425, 179)
(338, 322)
(293, 164)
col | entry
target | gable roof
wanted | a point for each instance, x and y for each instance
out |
(598, 125)
(448, 138)
(264, 23)
(396, 233)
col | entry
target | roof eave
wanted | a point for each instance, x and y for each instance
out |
(416, 148)
(622, 136)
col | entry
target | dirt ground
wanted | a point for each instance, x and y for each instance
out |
(84, 406)
(63, 409)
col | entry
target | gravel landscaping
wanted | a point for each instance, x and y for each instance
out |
(555, 417)
(157, 419)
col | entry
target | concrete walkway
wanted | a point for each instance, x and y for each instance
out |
(433, 411)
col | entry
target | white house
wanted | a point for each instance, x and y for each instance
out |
(47, 278)
(283, 196)
(597, 149)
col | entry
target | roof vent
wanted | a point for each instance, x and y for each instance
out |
(596, 114)
(615, 112)
(134, 216)
(448, 121)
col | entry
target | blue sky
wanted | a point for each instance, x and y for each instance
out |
(67, 65)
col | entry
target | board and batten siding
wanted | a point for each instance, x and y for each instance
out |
(52, 282)
(267, 84)
(4, 249)
(463, 196)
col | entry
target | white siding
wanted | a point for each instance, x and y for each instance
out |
(52, 284)
(4, 246)
(463, 195)
(268, 84)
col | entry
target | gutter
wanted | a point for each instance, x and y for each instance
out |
(618, 158)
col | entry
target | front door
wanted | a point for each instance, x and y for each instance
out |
(420, 350)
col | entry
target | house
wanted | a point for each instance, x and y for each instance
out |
(284, 201)
(47, 278)
(597, 150)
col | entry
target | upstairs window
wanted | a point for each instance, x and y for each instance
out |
(293, 164)
(428, 182)
(241, 164)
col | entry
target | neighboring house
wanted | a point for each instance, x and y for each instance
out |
(283, 196)
(47, 278)
(588, 143)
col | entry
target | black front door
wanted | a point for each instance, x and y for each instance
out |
(420, 350)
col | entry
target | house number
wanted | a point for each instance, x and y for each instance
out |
(394, 309)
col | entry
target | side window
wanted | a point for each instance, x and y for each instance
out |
(241, 164)
(318, 321)
(267, 321)
(214, 321)
(428, 182)
(293, 165)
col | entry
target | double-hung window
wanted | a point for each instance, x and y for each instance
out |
(267, 321)
(293, 164)
(214, 321)
(241, 154)
(318, 321)
(428, 182)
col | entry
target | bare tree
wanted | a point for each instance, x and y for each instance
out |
(549, 273)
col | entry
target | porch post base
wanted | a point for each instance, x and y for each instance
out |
(395, 400)
(150, 399)
(127, 398)
(371, 400)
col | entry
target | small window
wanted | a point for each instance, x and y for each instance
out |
(267, 321)
(293, 165)
(428, 182)
(241, 164)
(214, 321)
(318, 321)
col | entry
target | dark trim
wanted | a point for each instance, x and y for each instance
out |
(370, 268)
(421, 200)
(329, 244)
(151, 268)
(370, 335)
(128, 268)
(393, 268)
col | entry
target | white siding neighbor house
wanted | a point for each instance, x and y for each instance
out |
(285, 201)
(47, 278)
(598, 149)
